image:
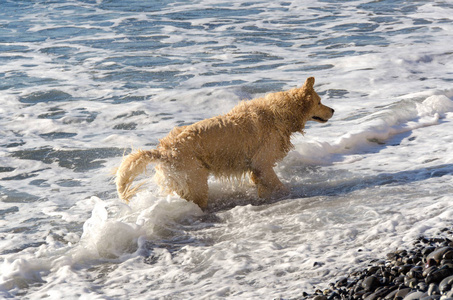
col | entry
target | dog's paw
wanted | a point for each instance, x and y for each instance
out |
(273, 193)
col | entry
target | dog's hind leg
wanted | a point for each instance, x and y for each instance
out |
(268, 184)
(194, 187)
(198, 192)
(190, 183)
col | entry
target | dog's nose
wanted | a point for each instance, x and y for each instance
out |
(333, 110)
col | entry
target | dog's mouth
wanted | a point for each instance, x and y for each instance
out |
(318, 119)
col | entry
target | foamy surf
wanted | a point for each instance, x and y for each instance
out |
(399, 118)
(83, 82)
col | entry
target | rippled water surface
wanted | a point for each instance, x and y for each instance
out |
(83, 82)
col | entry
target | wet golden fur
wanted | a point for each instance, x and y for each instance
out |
(251, 138)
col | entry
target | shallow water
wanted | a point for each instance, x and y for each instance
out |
(83, 82)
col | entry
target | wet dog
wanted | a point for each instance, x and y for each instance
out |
(251, 139)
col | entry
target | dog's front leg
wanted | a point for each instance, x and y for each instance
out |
(268, 184)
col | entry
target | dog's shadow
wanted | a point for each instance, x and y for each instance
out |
(348, 182)
(327, 183)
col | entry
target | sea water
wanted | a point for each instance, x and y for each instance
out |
(84, 82)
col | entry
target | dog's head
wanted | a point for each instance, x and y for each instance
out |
(316, 110)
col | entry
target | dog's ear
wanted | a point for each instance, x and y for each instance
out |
(309, 82)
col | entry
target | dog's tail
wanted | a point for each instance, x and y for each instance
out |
(133, 165)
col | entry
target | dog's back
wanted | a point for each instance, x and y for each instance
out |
(228, 145)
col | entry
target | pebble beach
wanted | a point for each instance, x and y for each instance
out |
(423, 272)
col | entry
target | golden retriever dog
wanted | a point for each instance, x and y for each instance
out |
(250, 139)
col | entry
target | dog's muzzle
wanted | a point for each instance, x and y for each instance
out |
(324, 118)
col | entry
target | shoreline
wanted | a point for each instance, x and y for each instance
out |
(423, 272)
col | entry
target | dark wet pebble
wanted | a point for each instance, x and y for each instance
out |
(446, 284)
(438, 254)
(342, 282)
(370, 283)
(438, 275)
